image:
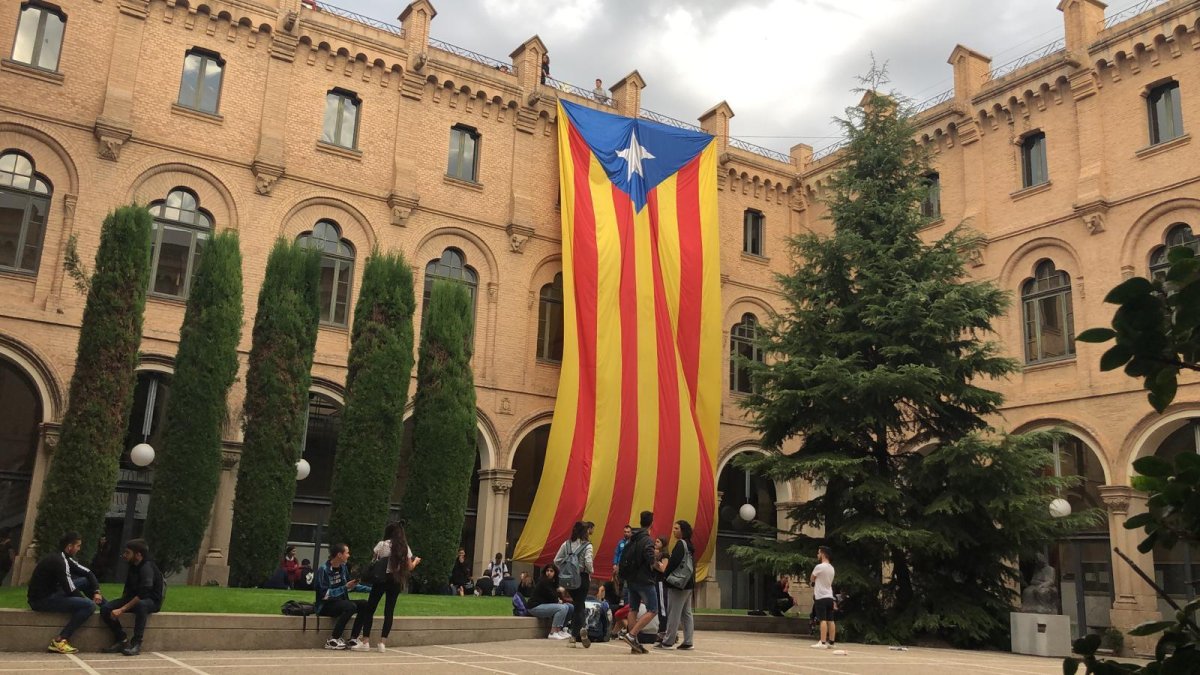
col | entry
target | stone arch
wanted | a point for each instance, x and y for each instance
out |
(155, 178)
(783, 490)
(523, 428)
(1022, 262)
(50, 156)
(473, 247)
(744, 304)
(155, 363)
(1149, 432)
(40, 373)
(1077, 429)
(1148, 231)
(312, 207)
(328, 388)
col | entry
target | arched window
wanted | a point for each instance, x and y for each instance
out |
(39, 36)
(24, 203)
(743, 348)
(180, 229)
(1179, 234)
(1177, 569)
(337, 268)
(550, 321)
(452, 266)
(1049, 317)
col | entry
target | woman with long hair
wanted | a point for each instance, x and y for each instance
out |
(578, 548)
(680, 576)
(390, 568)
(660, 566)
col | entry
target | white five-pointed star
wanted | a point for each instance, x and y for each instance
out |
(633, 156)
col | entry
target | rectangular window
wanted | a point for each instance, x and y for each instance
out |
(1033, 160)
(200, 86)
(1166, 116)
(341, 119)
(39, 37)
(463, 162)
(753, 224)
(931, 204)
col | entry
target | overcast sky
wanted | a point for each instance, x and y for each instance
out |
(786, 67)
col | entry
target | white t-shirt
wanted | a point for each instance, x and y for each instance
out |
(822, 576)
(384, 550)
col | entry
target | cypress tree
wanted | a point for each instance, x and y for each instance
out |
(380, 365)
(205, 367)
(83, 471)
(443, 454)
(883, 348)
(277, 381)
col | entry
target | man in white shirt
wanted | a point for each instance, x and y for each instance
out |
(824, 604)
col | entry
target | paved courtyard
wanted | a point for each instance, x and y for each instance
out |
(716, 653)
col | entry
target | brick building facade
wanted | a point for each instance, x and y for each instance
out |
(284, 118)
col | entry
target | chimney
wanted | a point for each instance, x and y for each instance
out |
(971, 71)
(415, 21)
(527, 64)
(716, 122)
(627, 94)
(1082, 22)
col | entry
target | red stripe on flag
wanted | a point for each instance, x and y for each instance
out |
(691, 296)
(574, 493)
(667, 487)
(621, 506)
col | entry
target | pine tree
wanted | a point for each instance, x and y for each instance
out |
(380, 366)
(205, 368)
(443, 454)
(84, 469)
(882, 349)
(277, 381)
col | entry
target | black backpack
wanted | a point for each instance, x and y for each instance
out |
(297, 608)
(633, 557)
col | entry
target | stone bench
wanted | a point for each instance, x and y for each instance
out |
(25, 631)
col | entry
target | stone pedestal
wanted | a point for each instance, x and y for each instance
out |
(1040, 634)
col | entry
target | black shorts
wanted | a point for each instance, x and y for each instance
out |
(823, 609)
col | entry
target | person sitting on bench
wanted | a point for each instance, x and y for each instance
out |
(144, 593)
(61, 585)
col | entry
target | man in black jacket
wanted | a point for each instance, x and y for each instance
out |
(638, 575)
(144, 593)
(59, 584)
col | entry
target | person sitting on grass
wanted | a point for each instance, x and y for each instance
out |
(144, 593)
(333, 585)
(63, 586)
(546, 603)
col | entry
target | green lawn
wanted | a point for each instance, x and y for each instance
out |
(260, 601)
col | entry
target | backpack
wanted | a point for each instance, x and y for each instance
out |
(632, 557)
(519, 605)
(679, 578)
(296, 608)
(597, 622)
(569, 576)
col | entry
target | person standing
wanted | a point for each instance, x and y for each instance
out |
(661, 558)
(617, 559)
(637, 570)
(63, 586)
(8, 552)
(680, 576)
(333, 586)
(824, 603)
(395, 560)
(460, 574)
(544, 604)
(144, 593)
(599, 93)
(545, 67)
(578, 552)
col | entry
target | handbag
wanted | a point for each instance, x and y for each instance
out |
(377, 573)
(679, 578)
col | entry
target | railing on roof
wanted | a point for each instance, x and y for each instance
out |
(760, 150)
(934, 101)
(578, 91)
(829, 150)
(1130, 12)
(669, 121)
(1022, 61)
(354, 16)
(468, 54)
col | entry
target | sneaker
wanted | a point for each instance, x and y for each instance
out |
(631, 640)
(360, 645)
(684, 646)
(133, 649)
(820, 645)
(659, 645)
(557, 636)
(585, 639)
(639, 648)
(116, 647)
(382, 649)
(336, 643)
(61, 647)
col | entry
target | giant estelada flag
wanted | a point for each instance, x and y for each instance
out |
(638, 409)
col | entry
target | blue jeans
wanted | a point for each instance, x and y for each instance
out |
(59, 602)
(141, 613)
(557, 612)
(647, 593)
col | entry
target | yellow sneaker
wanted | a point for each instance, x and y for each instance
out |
(61, 647)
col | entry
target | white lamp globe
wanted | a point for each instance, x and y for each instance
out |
(1060, 508)
(747, 512)
(141, 454)
(302, 469)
